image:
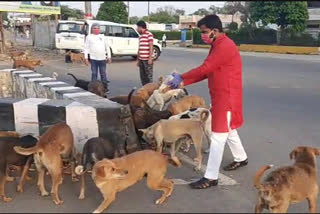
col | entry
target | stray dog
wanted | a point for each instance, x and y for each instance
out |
(186, 103)
(53, 147)
(160, 99)
(10, 157)
(97, 88)
(80, 83)
(113, 176)
(195, 113)
(123, 100)
(289, 184)
(170, 131)
(146, 91)
(28, 63)
(94, 150)
(19, 55)
(76, 57)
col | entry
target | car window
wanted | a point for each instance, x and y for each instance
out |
(130, 32)
(71, 28)
(115, 31)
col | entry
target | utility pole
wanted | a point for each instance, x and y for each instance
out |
(128, 12)
(148, 11)
(2, 49)
(87, 9)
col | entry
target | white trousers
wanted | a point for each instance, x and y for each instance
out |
(218, 141)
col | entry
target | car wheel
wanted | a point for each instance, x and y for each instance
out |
(156, 53)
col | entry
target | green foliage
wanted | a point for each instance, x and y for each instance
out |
(67, 12)
(202, 12)
(166, 15)
(171, 35)
(290, 38)
(233, 26)
(113, 11)
(282, 13)
(134, 19)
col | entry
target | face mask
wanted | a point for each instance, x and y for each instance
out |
(96, 31)
(206, 38)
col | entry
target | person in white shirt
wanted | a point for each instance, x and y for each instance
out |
(97, 47)
(164, 40)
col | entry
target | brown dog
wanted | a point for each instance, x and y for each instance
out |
(171, 131)
(187, 103)
(124, 100)
(53, 146)
(19, 55)
(76, 57)
(289, 184)
(28, 63)
(146, 91)
(116, 175)
(97, 88)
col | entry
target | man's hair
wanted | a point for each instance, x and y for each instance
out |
(142, 24)
(95, 25)
(211, 21)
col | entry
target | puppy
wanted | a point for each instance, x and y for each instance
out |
(76, 57)
(186, 103)
(80, 83)
(97, 88)
(289, 184)
(54, 146)
(95, 149)
(28, 63)
(195, 113)
(113, 176)
(146, 91)
(10, 157)
(124, 100)
(160, 99)
(170, 131)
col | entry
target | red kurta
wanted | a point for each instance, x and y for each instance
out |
(223, 69)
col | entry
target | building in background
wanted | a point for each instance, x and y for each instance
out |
(192, 20)
(313, 23)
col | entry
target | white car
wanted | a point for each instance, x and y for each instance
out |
(122, 39)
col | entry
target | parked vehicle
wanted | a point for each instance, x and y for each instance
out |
(122, 39)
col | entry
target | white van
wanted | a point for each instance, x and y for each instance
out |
(122, 39)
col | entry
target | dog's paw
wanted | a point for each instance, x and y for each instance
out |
(81, 197)
(197, 169)
(96, 211)
(207, 150)
(160, 201)
(6, 199)
(19, 189)
(74, 179)
(9, 179)
(45, 193)
(58, 202)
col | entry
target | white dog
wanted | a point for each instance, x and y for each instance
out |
(160, 99)
(195, 114)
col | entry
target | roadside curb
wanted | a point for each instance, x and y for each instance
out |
(272, 49)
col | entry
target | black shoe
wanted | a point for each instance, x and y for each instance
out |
(235, 165)
(203, 183)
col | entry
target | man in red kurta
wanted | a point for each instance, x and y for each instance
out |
(223, 69)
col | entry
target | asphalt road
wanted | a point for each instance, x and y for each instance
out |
(281, 111)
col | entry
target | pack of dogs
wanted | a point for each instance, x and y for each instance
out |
(22, 59)
(163, 117)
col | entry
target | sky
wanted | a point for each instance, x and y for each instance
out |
(140, 8)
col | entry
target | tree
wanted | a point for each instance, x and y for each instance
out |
(166, 15)
(67, 12)
(232, 8)
(293, 14)
(114, 11)
(134, 19)
(201, 12)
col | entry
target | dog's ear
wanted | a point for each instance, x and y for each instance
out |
(316, 151)
(185, 91)
(293, 154)
(100, 172)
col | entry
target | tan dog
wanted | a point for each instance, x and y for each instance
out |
(116, 175)
(19, 55)
(186, 103)
(289, 184)
(147, 90)
(76, 57)
(53, 146)
(97, 88)
(28, 63)
(171, 131)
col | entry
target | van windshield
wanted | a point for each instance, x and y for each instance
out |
(71, 27)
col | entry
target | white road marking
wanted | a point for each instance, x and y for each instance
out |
(41, 78)
(30, 75)
(52, 83)
(223, 179)
(79, 94)
(63, 88)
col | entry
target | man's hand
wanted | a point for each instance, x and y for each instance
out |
(86, 62)
(177, 80)
(150, 61)
(109, 61)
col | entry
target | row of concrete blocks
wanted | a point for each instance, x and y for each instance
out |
(31, 103)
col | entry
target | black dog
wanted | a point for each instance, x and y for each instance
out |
(95, 149)
(10, 157)
(80, 83)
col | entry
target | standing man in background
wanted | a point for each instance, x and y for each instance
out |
(164, 40)
(145, 53)
(97, 47)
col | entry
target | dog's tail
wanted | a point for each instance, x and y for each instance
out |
(204, 116)
(25, 151)
(259, 174)
(9, 134)
(74, 77)
(130, 95)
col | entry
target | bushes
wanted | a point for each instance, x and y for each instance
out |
(171, 35)
(304, 39)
